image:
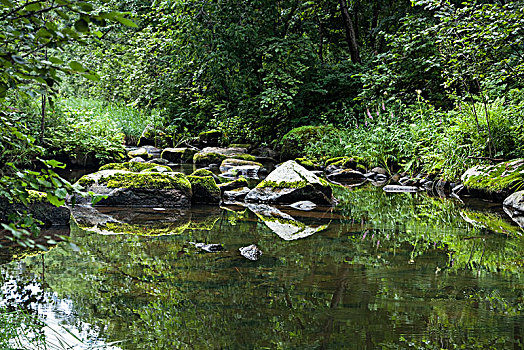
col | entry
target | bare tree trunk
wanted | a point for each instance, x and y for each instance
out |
(350, 32)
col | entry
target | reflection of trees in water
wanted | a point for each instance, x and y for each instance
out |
(372, 277)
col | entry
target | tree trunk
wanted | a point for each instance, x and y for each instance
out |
(350, 32)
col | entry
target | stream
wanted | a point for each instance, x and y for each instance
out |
(378, 271)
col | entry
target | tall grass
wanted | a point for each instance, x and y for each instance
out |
(421, 138)
(128, 120)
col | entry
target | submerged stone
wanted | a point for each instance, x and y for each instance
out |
(251, 252)
(290, 183)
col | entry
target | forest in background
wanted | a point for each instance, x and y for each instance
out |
(425, 86)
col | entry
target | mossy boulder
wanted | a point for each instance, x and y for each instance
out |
(206, 172)
(494, 181)
(232, 167)
(209, 138)
(308, 164)
(290, 183)
(205, 190)
(294, 142)
(514, 207)
(354, 163)
(232, 185)
(136, 167)
(39, 207)
(152, 136)
(129, 189)
(179, 155)
(237, 194)
(215, 155)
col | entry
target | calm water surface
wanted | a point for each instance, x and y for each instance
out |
(379, 271)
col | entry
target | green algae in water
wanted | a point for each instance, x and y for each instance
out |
(401, 270)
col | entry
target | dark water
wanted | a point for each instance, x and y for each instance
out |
(379, 271)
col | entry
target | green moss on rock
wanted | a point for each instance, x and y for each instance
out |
(282, 184)
(205, 189)
(247, 157)
(240, 145)
(208, 158)
(134, 167)
(147, 181)
(507, 176)
(202, 172)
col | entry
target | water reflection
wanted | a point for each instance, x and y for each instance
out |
(390, 271)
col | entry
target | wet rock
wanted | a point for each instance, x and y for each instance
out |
(137, 160)
(457, 189)
(428, 185)
(345, 175)
(308, 164)
(514, 207)
(205, 190)
(251, 252)
(303, 205)
(125, 188)
(236, 195)
(231, 163)
(289, 183)
(239, 167)
(232, 185)
(136, 167)
(247, 171)
(39, 207)
(159, 161)
(404, 180)
(380, 178)
(265, 152)
(208, 248)
(140, 152)
(211, 155)
(179, 155)
(495, 182)
(370, 175)
(379, 170)
(397, 188)
(146, 152)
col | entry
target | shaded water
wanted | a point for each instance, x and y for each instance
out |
(379, 271)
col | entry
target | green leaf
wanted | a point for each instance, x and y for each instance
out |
(55, 60)
(92, 77)
(33, 7)
(54, 200)
(77, 66)
(81, 25)
(126, 22)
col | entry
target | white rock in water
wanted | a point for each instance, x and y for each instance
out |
(251, 252)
